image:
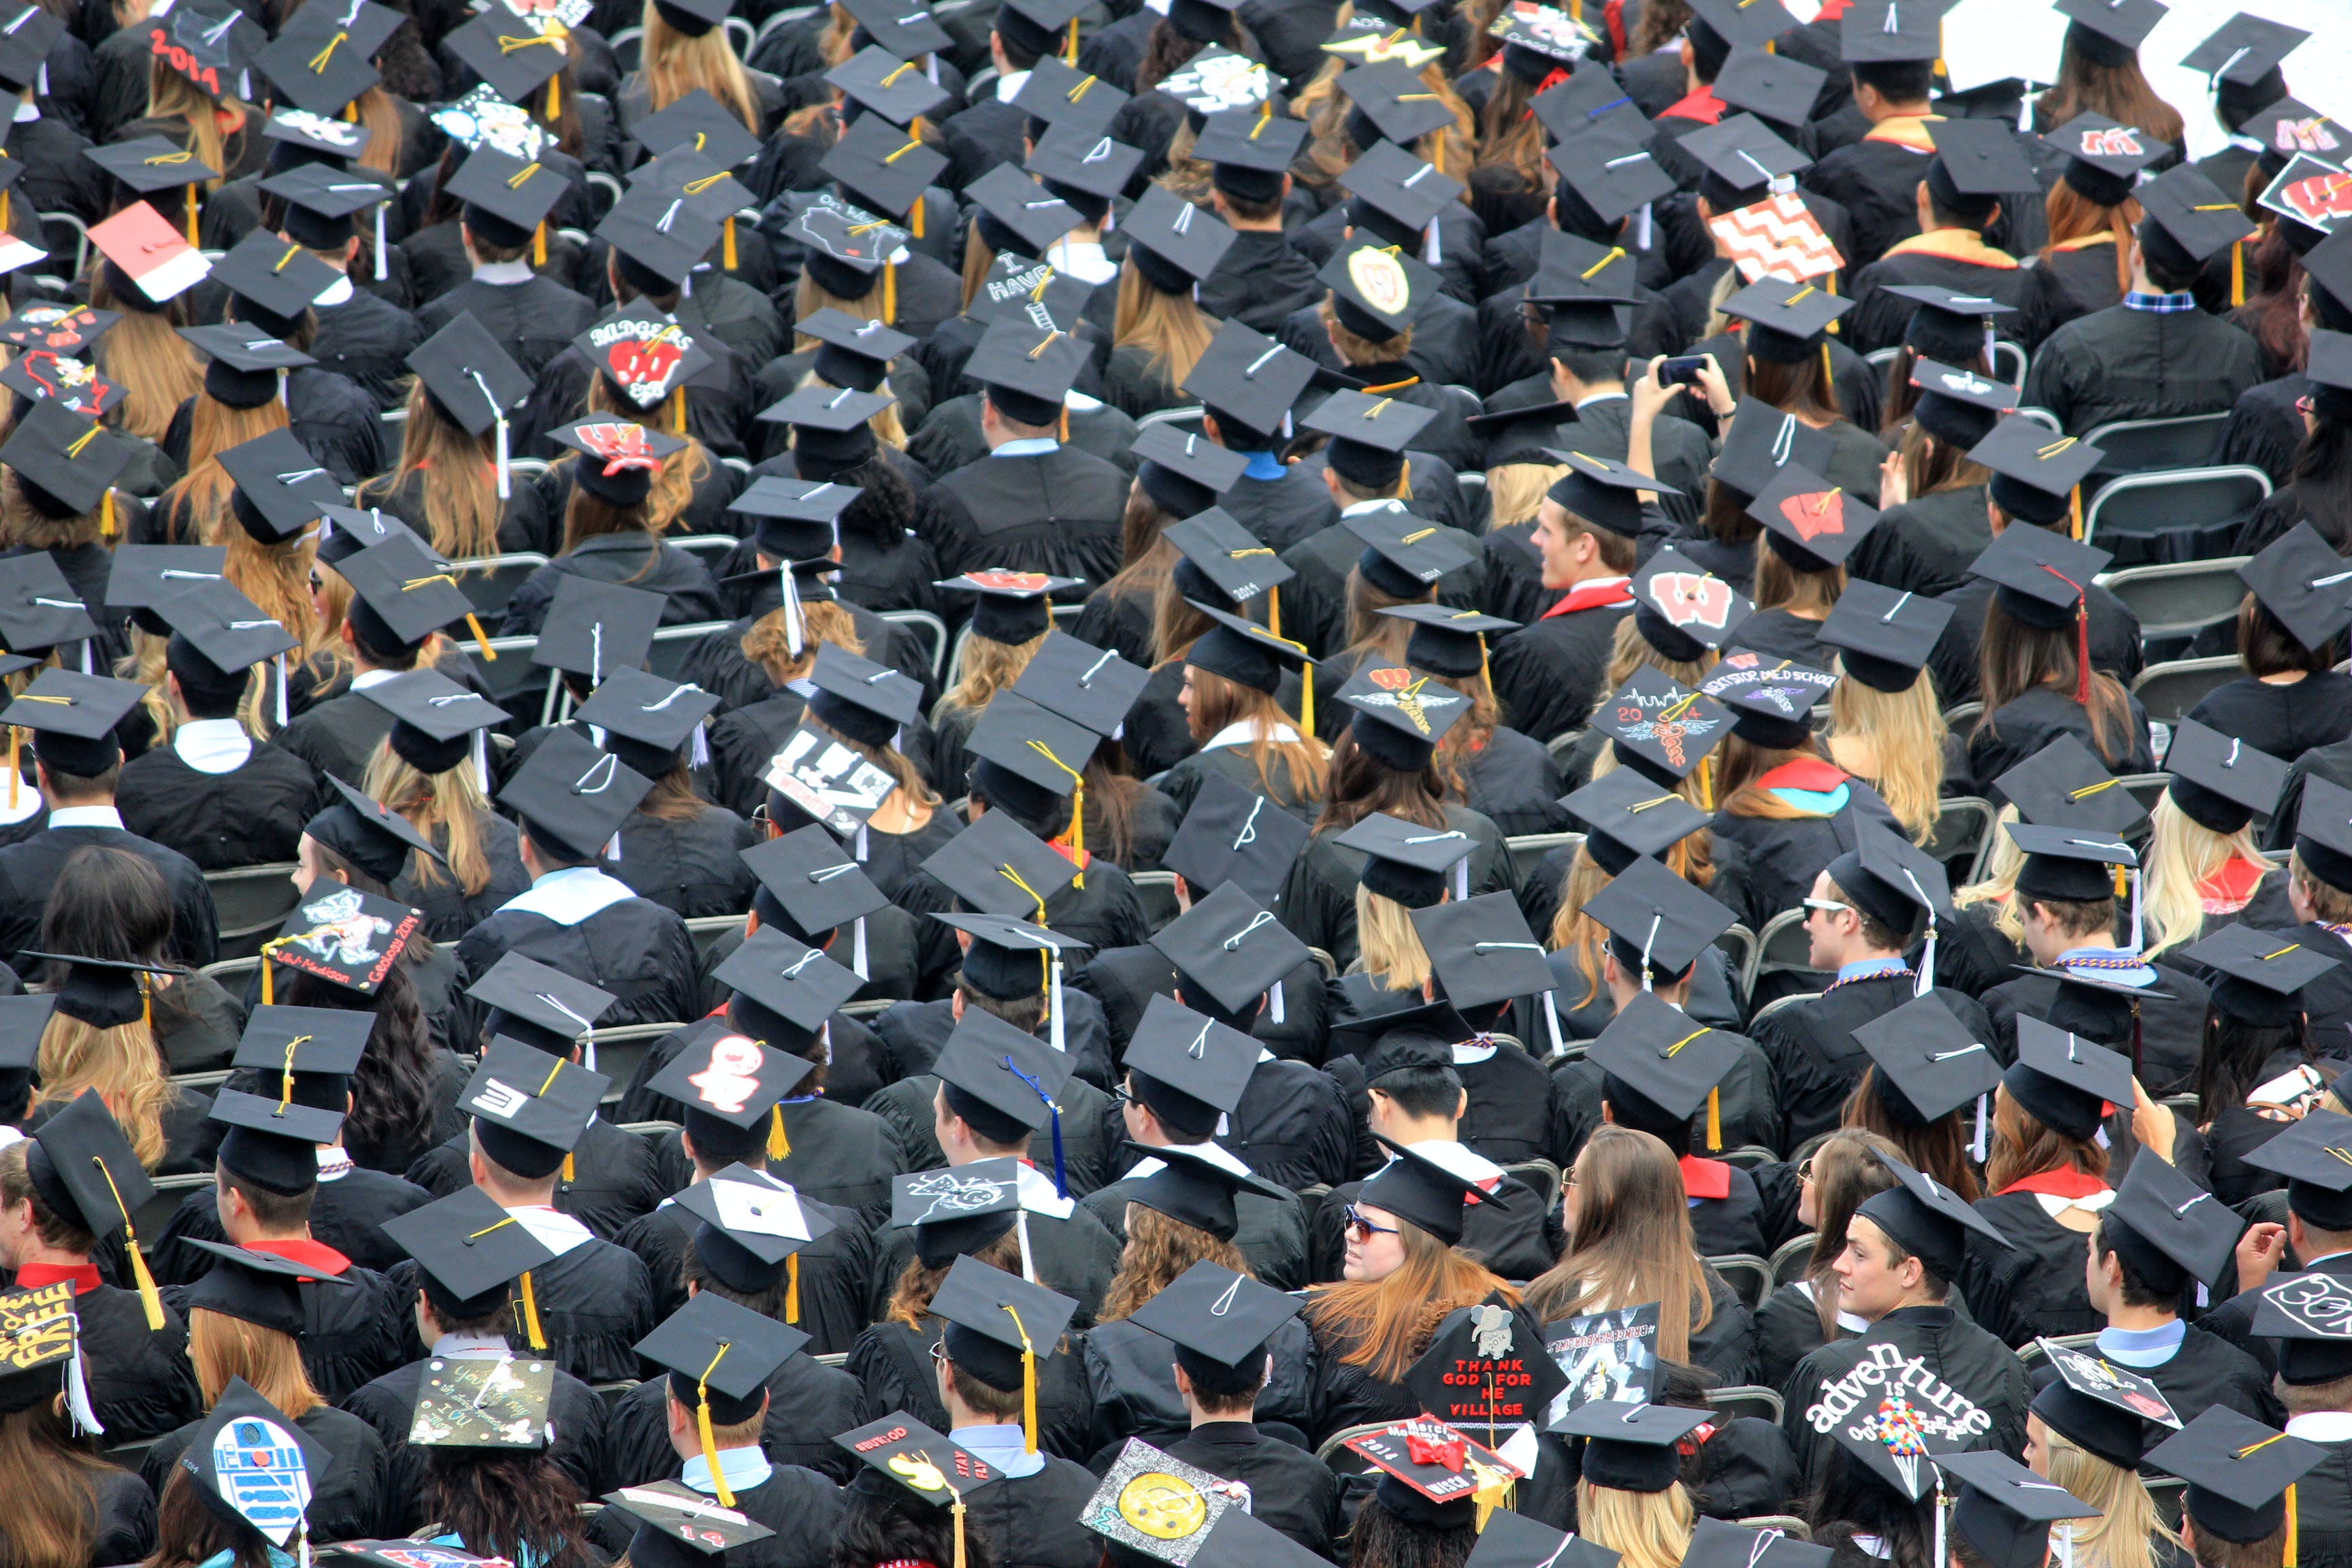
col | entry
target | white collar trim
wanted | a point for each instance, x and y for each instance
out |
(1242, 731)
(213, 745)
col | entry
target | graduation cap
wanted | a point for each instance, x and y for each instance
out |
(1247, 379)
(1087, 686)
(2304, 1313)
(2068, 863)
(1400, 717)
(1217, 80)
(1514, 1540)
(2100, 1407)
(475, 381)
(1660, 1064)
(752, 1226)
(1659, 921)
(878, 160)
(1809, 523)
(932, 1469)
(1406, 861)
(321, 200)
(1630, 1447)
(1890, 30)
(309, 1054)
(1026, 370)
(1404, 554)
(1058, 93)
(2323, 831)
(676, 1526)
(403, 595)
(2299, 579)
(2064, 1080)
(1035, 216)
(1896, 882)
(1928, 1064)
(2104, 158)
(245, 350)
(1745, 155)
(1977, 158)
(1545, 31)
(700, 123)
(1190, 1065)
(540, 1005)
(1682, 609)
(814, 884)
(1486, 1367)
(1196, 1184)
(999, 1327)
(485, 1403)
(1368, 40)
(278, 278)
(1627, 814)
(1927, 1218)
(1249, 151)
(321, 62)
(72, 716)
(1153, 1507)
(1884, 636)
(83, 1167)
(40, 1352)
(2238, 1470)
(56, 328)
(594, 627)
(644, 356)
(1001, 1079)
(468, 1250)
(1745, 24)
(514, 194)
(720, 1355)
(847, 244)
(1948, 325)
(224, 626)
(1232, 834)
(1776, 88)
(987, 864)
(796, 985)
(1445, 641)
(1392, 96)
(866, 701)
(1659, 728)
(1185, 472)
(337, 139)
(1076, 161)
(1174, 245)
(1957, 407)
(59, 449)
(1891, 1443)
(530, 1109)
(1772, 700)
(1419, 1186)
(573, 797)
(149, 253)
(497, 46)
(1611, 172)
(2169, 1230)
(1229, 949)
(282, 487)
(2218, 781)
(1482, 951)
(149, 165)
(2038, 575)
(209, 42)
(1433, 1475)
(2245, 49)
(2005, 1511)
(1788, 321)
(957, 1210)
(1216, 1317)
(26, 40)
(254, 1286)
(2315, 1155)
(1720, 1543)
(654, 715)
(2261, 974)
(1368, 436)
(1245, 651)
(2124, 23)
(1396, 193)
(2189, 219)
(250, 1462)
(891, 85)
(1376, 291)
(2064, 786)
(1589, 100)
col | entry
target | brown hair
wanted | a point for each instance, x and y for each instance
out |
(50, 1481)
(1941, 1149)
(1846, 1170)
(197, 506)
(171, 96)
(679, 472)
(1170, 327)
(768, 644)
(1359, 786)
(462, 510)
(2076, 216)
(1744, 762)
(2266, 648)
(1388, 1321)
(58, 1230)
(451, 800)
(591, 516)
(1931, 466)
(1158, 1250)
(2121, 93)
(2022, 1146)
(676, 63)
(910, 1298)
(1176, 626)
(1802, 389)
(1218, 703)
(145, 355)
(2018, 658)
(221, 1347)
(514, 1504)
(989, 666)
(1632, 1242)
(1781, 585)
(1146, 559)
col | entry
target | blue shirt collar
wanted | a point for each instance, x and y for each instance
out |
(1863, 968)
(2143, 1347)
(1263, 466)
(1003, 1446)
(744, 1468)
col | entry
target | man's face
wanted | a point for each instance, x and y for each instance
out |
(1130, 1110)
(1870, 1284)
(1825, 933)
(1564, 552)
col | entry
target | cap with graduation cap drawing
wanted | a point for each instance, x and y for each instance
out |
(1630, 1447)
(64, 461)
(677, 1528)
(2239, 1473)
(1626, 816)
(82, 1167)
(999, 1327)
(1249, 382)
(1197, 1185)
(1659, 1066)
(2218, 781)
(2102, 1408)
(573, 797)
(2189, 220)
(1232, 834)
(2169, 1230)
(2062, 785)
(1884, 636)
(1184, 472)
(1928, 1219)
(2323, 830)
(435, 722)
(1417, 1186)
(1433, 1476)
(1682, 610)
(2065, 1081)
(1927, 1064)
(1659, 728)
(1810, 523)
(1219, 1322)
(593, 628)
(1229, 951)
(2261, 975)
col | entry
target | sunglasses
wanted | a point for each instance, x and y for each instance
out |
(1827, 906)
(1361, 1230)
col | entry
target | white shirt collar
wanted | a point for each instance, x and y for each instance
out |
(368, 677)
(1846, 1321)
(27, 112)
(472, 1347)
(2321, 1426)
(1027, 446)
(85, 816)
(339, 292)
(1083, 259)
(1378, 503)
(1008, 87)
(502, 273)
(571, 895)
(1242, 731)
(213, 745)
(1600, 397)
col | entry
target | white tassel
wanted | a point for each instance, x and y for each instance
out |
(588, 1052)
(860, 855)
(281, 691)
(1053, 1002)
(482, 761)
(1641, 228)
(1433, 252)
(701, 757)
(1021, 1229)
(1274, 1003)
(77, 1405)
(505, 483)
(2136, 878)
(1977, 1149)
(1943, 1554)
(1551, 1024)
(612, 849)
(858, 949)
(41, 85)
(1656, 921)
(281, 394)
(791, 612)
(1462, 879)
(84, 657)
(931, 69)
(383, 261)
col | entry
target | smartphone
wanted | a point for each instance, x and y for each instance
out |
(1683, 369)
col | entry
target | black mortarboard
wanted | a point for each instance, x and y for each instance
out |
(1417, 1186)
(1368, 437)
(2219, 781)
(26, 40)
(1035, 216)
(2299, 579)
(2104, 158)
(1392, 96)
(2323, 830)
(1894, 880)
(1482, 950)
(1083, 166)
(1446, 641)
(817, 885)
(280, 487)
(1788, 321)
(1009, 959)
(1883, 636)
(1890, 30)
(2039, 576)
(572, 795)
(252, 1464)
(1745, 24)
(1174, 243)
(473, 379)
(1230, 946)
(1959, 407)
(260, 1287)
(83, 1168)
(1249, 151)
(1057, 92)
(63, 453)
(1810, 523)
(1514, 1540)
(434, 720)
(877, 161)
(1772, 700)
(2315, 1155)
(1210, 543)
(957, 1210)
(700, 121)
(1587, 101)
(1627, 815)
(1396, 193)
(2005, 1511)
(223, 625)
(992, 1070)
(1230, 833)
(320, 63)
(677, 1527)
(1948, 325)
(2189, 219)
(644, 710)
(661, 231)
(1977, 158)
(2305, 1314)
(1216, 1316)
(797, 982)
(1660, 1064)
(1249, 379)
(2066, 1081)
(865, 700)
(310, 1053)
(1603, 491)
(2245, 49)
(1034, 757)
(728, 1085)
(560, 1009)
(1430, 1492)
(1658, 728)
(1375, 293)
(1630, 1447)
(275, 279)
(2261, 974)
(594, 627)
(1403, 553)
(2123, 22)
(150, 164)
(514, 194)
(404, 593)
(1744, 154)
(2067, 863)
(718, 1350)
(894, 88)
(1929, 1219)
(2170, 1230)
(2237, 1469)
(468, 1250)
(321, 200)
(1681, 609)
(999, 1325)
(1026, 371)
(1399, 715)
(72, 716)
(1611, 173)
(1928, 1064)
(509, 53)
(986, 863)
(1196, 1185)
(1718, 1543)
(1242, 650)
(1658, 917)
(1190, 1066)
(2100, 1407)
(530, 1109)
(1761, 441)
(2062, 785)
(1774, 86)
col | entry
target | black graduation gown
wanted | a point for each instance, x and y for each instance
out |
(1272, 1232)
(832, 1270)
(1788, 1330)
(1281, 511)
(450, 910)
(1745, 1110)
(1259, 280)
(2114, 641)
(1816, 1060)
(2266, 429)
(1958, 260)
(1106, 912)
(980, 138)
(251, 815)
(1345, 1395)
(140, 1383)
(1548, 674)
(2035, 1285)
(1184, 782)
(1077, 1256)
(523, 522)
(801, 1506)
(614, 1177)
(30, 869)
(1315, 602)
(1518, 1241)
(1057, 512)
(2171, 1027)
(2138, 364)
(2030, 721)
(337, 735)
(1131, 1375)
(1319, 899)
(1126, 979)
(1514, 782)
(682, 580)
(1876, 180)
(389, 1405)
(2285, 720)
(893, 1366)
(533, 321)
(689, 864)
(1785, 854)
(124, 1516)
(354, 1331)
(1926, 545)
(807, 1400)
(197, 1024)
(635, 949)
(1290, 1489)
(367, 340)
(595, 1303)
(1957, 1377)
(347, 1501)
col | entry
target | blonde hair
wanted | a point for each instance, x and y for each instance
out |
(2181, 854)
(809, 296)
(145, 354)
(451, 800)
(170, 95)
(1999, 887)
(822, 621)
(675, 63)
(203, 491)
(1170, 326)
(1781, 585)
(1392, 948)
(2126, 1526)
(1905, 731)
(1515, 490)
(888, 427)
(1629, 650)
(123, 1064)
(1646, 1530)
(989, 667)
(978, 257)
(460, 486)
(221, 1347)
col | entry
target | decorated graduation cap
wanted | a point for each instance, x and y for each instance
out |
(1152, 1507)
(1658, 923)
(647, 358)
(1682, 609)
(1419, 1186)
(530, 1108)
(2169, 1230)
(2241, 1473)
(730, 1085)
(1233, 833)
(468, 1404)
(752, 1229)
(1957, 407)
(2218, 781)
(1012, 607)
(2305, 1314)
(1249, 382)
(1486, 1370)
(1929, 1219)
(2064, 1080)
(593, 628)
(2102, 1408)
(2261, 975)
(1928, 1065)
(1217, 557)
(1229, 951)
(898, 1448)
(1375, 293)
(1630, 1447)
(255, 1468)
(56, 328)
(1884, 636)
(676, 1526)
(40, 1354)
(847, 246)
(1404, 555)
(956, 1210)
(1626, 816)
(2104, 159)
(1196, 1184)
(1772, 700)
(468, 1250)
(572, 796)
(2189, 220)
(84, 1170)
(1401, 715)
(1659, 728)
(1433, 1476)
(2315, 1155)
(1809, 523)
(1659, 1066)
(999, 1327)
(1219, 1321)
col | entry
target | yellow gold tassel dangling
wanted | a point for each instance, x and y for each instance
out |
(352, 112)
(481, 638)
(1307, 699)
(677, 411)
(538, 245)
(17, 784)
(958, 1528)
(730, 251)
(570, 1175)
(1273, 611)
(915, 218)
(792, 1287)
(1028, 1382)
(555, 97)
(1070, 56)
(147, 1297)
(2075, 504)
(1486, 670)
(778, 1146)
(2237, 266)
(889, 293)
(192, 218)
(531, 1314)
(1714, 1121)
(1829, 381)
(1062, 425)
(106, 508)
(3, 209)
(702, 1428)
(147, 1010)
(2292, 1529)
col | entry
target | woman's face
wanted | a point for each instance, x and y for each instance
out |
(1184, 697)
(1375, 1249)
(1809, 1211)
(2037, 1446)
(1571, 1200)
(307, 869)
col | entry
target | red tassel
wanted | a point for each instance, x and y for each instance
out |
(2082, 635)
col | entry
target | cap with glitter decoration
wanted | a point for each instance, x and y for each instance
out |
(1743, 152)
(1810, 523)
(2245, 49)
(993, 1071)
(1077, 158)
(1884, 636)
(1233, 833)
(1447, 641)
(487, 1404)
(1788, 319)
(1482, 950)
(2064, 786)
(592, 627)
(1249, 378)
(2219, 781)
(227, 628)
(572, 796)
(643, 353)
(2102, 1408)
(1776, 88)
(819, 887)
(1192, 1066)
(2261, 974)
(1087, 685)
(2104, 158)
(1611, 172)
(877, 161)
(1875, 30)
(150, 164)
(2170, 1230)
(280, 485)
(1420, 1185)
(1218, 80)
(321, 61)
(1399, 185)
(1026, 371)
(474, 380)
(1762, 441)
(59, 329)
(2039, 575)
(1185, 472)
(1404, 860)
(1394, 98)
(1928, 1064)
(1377, 292)
(515, 192)
(1651, 911)
(61, 451)
(1036, 216)
(894, 88)
(1231, 946)
(1928, 1219)
(1000, 868)
(1217, 1315)
(2123, 22)
(700, 121)
(1630, 1447)
(2189, 219)
(496, 45)
(1677, 600)
(2064, 1080)
(1057, 93)
(1626, 816)
(2237, 1473)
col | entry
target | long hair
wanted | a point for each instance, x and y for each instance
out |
(1516, 491)
(514, 1504)
(910, 1297)
(1388, 1323)
(2024, 1145)
(50, 1480)
(199, 505)
(809, 296)
(1390, 945)
(459, 483)
(2123, 1533)
(2234, 1055)
(1176, 626)
(275, 576)
(1379, 1539)
(1218, 703)
(2121, 93)
(978, 257)
(2074, 216)
(1999, 887)
(2322, 477)
(1575, 932)
(912, 786)
(2182, 853)
(1782, 584)
(188, 1531)
(1846, 1170)
(380, 116)
(1170, 327)
(1941, 1149)
(1369, 631)
(769, 642)
(1146, 559)
(109, 904)
(589, 516)
(1905, 731)
(1660, 21)
(1744, 762)
(1632, 1242)
(450, 802)
(888, 427)
(2273, 312)
(221, 1347)
(1930, 466)
(679, 472)
(1646, 1530)
(676, 63)
(171, 96)
(1359, 786)
(392, 1090)
(1158, 1250)
(144, 355)
(2018, 658)
(1802, 389)
(989, 667)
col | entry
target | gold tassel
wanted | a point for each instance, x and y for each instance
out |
(1485, 671)
(352, 112)
(1273, 611)
(481, 638)
(1307, 699)
(1028, 1382)
(1077, 838)
(729, 252)
(539, 244)
(2236, 265)
(915, 218)
(677, 411)
(778, 1146)
(702, 1427)
(16, 784)
(1404, 479)
(570, 1173)
(958, 1511)
(147, 1009)
(1714, 1121)
(1829, 381)
(531, 1314)
(554, 95)
(2292, 1532)
(106, 508)
(192, 218)
(3, 209)
(1070, 54)
(1440, 160)
(2077, 504)
(268, 966)
(890, 293)
(792, 1287)
(1063, 424)
(147, 1297)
